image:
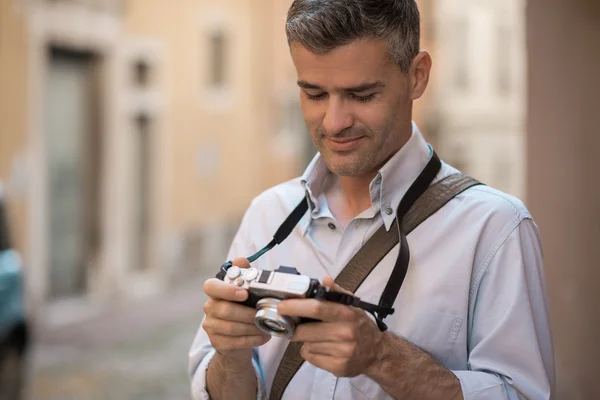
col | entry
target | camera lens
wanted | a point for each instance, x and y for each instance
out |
(268, 320)
(273, 325)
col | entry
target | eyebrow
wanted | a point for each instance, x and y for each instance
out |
(356, 89)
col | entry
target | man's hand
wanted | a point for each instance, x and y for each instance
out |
(232, 333)
(229, 325)
(347, 343)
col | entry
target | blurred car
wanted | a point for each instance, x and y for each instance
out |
(14, 331)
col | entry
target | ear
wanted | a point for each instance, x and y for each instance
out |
(420, 71)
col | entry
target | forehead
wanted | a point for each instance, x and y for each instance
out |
(361, 61)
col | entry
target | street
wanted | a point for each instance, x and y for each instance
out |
(136, 352)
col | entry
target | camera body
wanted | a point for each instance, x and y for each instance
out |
(266, 289)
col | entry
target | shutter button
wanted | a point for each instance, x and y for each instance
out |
(233, 272)
(331, 226)
(250, 274)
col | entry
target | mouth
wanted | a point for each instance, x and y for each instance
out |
(343, 144)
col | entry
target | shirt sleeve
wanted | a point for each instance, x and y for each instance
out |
(510, 346)
(201, 352)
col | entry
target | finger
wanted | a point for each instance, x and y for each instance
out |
(332, 349)
(241, 262)
(218, 289)
(216, 326)
(324, 332)
(327, 363)
(229, 311)
(228, 343)
(325, 311)
(330, 283)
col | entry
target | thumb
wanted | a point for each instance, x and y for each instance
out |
(241, 262)
(329, 283)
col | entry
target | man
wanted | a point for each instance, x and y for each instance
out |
(471, 318)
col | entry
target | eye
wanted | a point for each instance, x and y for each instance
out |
(316, 97)
(363, 99)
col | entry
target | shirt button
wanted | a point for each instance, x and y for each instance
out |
(389, 211)
(331, 226)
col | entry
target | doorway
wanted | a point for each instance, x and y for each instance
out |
(73, 165)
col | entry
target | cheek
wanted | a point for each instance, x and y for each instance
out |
(312, 112)
(376, 118)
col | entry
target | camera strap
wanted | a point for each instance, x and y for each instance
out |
(420, 202)
(282, 233)
(379, 245)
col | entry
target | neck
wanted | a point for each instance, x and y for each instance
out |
(349, 196)
(355, 191)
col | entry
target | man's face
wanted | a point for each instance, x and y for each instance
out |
(356, 104)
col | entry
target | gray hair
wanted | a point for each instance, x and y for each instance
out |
(323, 25)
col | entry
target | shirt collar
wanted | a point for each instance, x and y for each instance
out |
(387, 188)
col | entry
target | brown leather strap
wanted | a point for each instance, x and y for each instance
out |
(435, 198)
(369, 256)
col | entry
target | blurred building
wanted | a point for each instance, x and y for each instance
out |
(479, 88)
(77, 133)
(135, 133)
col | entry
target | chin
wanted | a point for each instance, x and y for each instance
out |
(347, 168)
(346, 164)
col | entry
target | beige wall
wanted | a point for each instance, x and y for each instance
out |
(278, 74)
(237, 123)
(194, 189)
(224, 147)
(220, 147)
(562, 180)
(13, 110)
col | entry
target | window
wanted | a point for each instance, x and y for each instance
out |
(504, 61)
(218, 44)
(143, 188)
(141, 72)
(460, 54)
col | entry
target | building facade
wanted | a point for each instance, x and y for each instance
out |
(480, 89)
(134, 135)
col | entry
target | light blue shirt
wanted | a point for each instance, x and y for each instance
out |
(474, 296)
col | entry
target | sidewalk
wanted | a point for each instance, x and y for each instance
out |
(135, 352)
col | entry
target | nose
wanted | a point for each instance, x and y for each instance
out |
(337, 117)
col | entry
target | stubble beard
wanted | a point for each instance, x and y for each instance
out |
(356, 163)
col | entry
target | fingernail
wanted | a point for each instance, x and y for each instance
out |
(240, 294)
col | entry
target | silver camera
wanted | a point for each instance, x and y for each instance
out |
(266, 289)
